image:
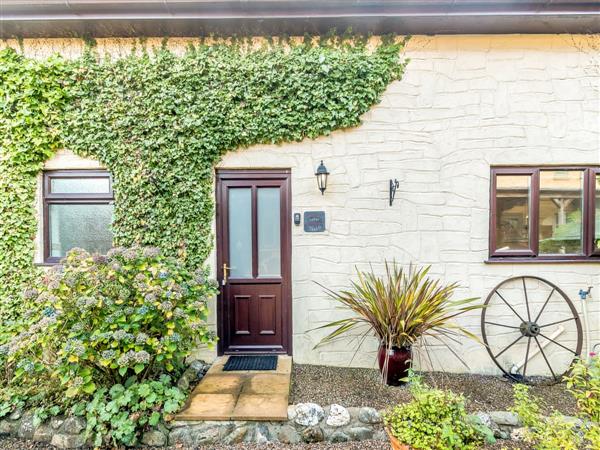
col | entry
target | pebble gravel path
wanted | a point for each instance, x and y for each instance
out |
(361, 387)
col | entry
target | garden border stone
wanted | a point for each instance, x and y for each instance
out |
(329, 424)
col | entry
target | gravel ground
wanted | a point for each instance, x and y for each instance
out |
(17, 444)
(361, 387)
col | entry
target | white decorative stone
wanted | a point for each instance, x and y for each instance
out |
(308, 414)
(291, 412)
(338, 416)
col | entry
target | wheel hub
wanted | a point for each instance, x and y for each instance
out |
(529, 329)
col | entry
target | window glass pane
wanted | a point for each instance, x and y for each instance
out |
(83, 226)
(240, 232)
(269, 257)
(80, 185)
(512, 212)
(597, 228)
(561, 193)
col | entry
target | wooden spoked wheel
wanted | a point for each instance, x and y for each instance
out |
(531, 330)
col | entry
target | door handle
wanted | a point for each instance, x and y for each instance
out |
(225, 269)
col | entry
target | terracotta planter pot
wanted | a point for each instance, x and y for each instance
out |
(396, 444)
(398, 364)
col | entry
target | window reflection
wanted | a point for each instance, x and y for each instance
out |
(561, 193)
(512, 212)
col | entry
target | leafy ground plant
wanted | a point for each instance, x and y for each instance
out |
(556, 431)
(583, 382)
(436, 420)
(118, 412)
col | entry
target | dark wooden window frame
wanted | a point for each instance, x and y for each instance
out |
(590, 253)
(51, 198)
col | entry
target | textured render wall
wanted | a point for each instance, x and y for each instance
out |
(465, 103)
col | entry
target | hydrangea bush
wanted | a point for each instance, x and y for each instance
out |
(97, 320)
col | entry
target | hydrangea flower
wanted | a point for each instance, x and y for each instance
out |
(26, 365)
(30, 294)
(166, 306)
(99, 259)
(108, 354)
(142, 357)
(70, 280)
(75, 346)
(141, 338)
(163, 274)
(130, 253)
(86, 302)
(114, 252)
(122, 335)
(49, 312)
(133, 357)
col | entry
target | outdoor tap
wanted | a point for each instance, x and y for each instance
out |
(584, 294)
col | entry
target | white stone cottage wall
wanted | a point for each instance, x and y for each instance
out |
(465, 103)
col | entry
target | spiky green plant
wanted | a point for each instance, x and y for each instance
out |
(400, 307)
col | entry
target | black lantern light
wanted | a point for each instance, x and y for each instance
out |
(322, 175)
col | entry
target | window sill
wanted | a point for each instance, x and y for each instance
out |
(520, 260)
(46, 264)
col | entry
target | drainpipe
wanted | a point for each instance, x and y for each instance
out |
(583, 295)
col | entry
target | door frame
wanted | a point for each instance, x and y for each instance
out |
(286, 244)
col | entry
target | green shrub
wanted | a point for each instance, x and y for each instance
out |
(584, 383)
(102, 319)
(435, 420)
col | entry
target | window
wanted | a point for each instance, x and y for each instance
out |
(77, 212)
(545, 213)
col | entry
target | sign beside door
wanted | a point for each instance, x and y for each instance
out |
(254, 261)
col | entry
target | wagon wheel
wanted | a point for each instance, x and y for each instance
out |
(530, 324)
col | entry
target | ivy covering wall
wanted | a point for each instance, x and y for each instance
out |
(160, 122)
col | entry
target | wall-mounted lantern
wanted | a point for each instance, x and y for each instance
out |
(393, 186)
(322, 175)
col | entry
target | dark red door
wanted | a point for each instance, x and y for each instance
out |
(253, 257)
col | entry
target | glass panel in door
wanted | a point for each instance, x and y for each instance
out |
(240, 232)
(269, 248)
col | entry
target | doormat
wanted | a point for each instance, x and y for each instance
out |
(251, 362)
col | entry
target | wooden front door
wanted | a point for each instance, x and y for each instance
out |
(253, 261)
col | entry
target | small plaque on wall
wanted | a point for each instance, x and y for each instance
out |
(314, 221)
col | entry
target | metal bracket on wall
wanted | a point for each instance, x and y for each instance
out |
(393, 186)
